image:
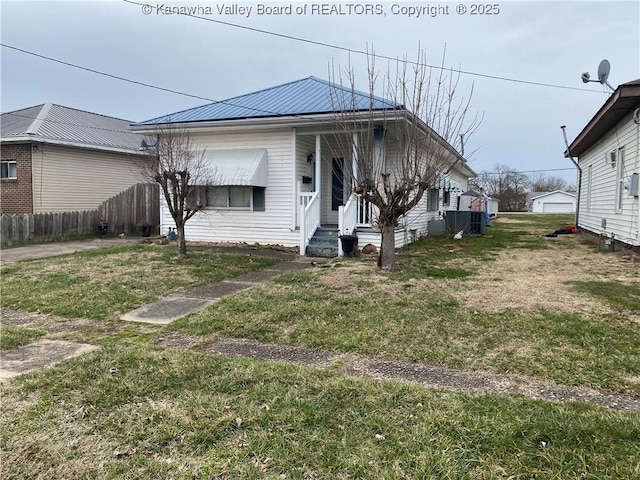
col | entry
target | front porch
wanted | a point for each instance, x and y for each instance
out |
(326, 204)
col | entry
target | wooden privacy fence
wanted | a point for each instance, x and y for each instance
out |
(132, 209)
(128, 212)
(25, 227)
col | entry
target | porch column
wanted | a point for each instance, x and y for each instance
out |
(318, 156)
(354, 161)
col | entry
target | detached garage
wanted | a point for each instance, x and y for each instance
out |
(554, 202)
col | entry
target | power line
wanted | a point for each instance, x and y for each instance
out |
(136, 82)
(371, 54)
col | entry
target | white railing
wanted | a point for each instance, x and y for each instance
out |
(309, 218)
(348, 215)
(364, 214)
(347, 219)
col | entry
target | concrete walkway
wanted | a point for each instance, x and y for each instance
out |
(54, 249)
(39, 354)
(196, 299)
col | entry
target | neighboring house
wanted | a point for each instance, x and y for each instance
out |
(609, 161)
(291, 171)
(557, 201)
(57, 159)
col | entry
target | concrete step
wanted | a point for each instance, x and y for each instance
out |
(324, 243)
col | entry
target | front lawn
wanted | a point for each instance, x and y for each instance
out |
(102, 284)
(147, 413)
(505, 303)
(513, 301)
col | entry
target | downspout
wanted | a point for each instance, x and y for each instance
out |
(578, 193)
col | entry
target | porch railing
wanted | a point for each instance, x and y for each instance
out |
(348, 215)
(347, 218)
(364, 213)
(309, 218)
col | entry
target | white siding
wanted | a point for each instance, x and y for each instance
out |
(415, 223)
(275, 224)
(598, 197)
(68, 179)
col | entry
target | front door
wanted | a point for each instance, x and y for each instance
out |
(334, 192)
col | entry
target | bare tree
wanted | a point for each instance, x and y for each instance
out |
(178, 165)
(549, 183)
(402, 146)
(505, 184)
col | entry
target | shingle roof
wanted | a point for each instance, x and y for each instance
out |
(58, 124)
(306, 96)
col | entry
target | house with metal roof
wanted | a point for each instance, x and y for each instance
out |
(285, 168)
(57, 159)
(608, 158)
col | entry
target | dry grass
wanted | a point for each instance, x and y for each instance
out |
(534, 280)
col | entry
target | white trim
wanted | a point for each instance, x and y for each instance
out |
(619, 198)
(10, 162)
(294, 179)
(318, 172)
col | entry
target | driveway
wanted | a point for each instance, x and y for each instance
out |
(31, 252)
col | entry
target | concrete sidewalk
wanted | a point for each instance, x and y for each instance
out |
(196, 299)
(54, 249)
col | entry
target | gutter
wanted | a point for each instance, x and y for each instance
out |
(46, 141)
(567, 154)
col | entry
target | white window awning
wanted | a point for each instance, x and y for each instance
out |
(239, 167)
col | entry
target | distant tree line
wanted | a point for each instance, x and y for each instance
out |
(510, 187)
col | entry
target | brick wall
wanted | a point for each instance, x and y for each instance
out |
(16, 196)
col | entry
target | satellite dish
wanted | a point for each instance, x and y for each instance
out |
(603, 74)
(603, 71)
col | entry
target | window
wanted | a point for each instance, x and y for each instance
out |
(433, 200)
(620, 180)
(446, 199)
(229, 197)
(9, 170)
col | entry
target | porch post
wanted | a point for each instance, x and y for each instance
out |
(354, 161)
(318, 171)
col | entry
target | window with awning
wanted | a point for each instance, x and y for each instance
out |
(239, 181)
(238, 167)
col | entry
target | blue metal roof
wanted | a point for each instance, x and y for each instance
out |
(306, 96)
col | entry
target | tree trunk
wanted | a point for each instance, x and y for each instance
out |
(387, 257)
(182, 241)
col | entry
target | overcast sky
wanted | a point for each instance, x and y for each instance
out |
(543, 42)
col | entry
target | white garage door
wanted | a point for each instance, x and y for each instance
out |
(550, 207)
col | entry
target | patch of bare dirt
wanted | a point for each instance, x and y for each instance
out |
(531, 280)
(512, 220)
